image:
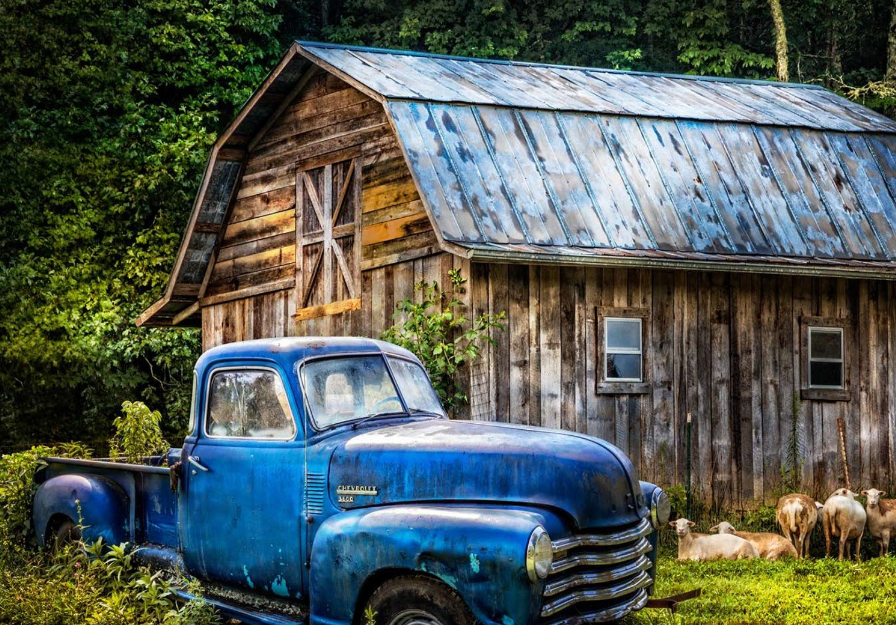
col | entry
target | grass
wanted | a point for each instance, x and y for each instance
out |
(794, 592)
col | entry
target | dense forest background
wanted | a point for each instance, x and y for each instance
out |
(108, 109)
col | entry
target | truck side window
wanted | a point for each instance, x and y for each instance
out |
(249, 403)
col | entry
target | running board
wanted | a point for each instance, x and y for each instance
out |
(242, 613)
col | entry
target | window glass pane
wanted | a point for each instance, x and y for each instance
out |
(415, 386)
(249, 404)
(826, 374)
(623, 366)
(825, 343)
(191, 425)
(345, 389)
(624, 333)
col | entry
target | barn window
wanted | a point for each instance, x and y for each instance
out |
(328, 239)
(622, 353)
(826, 357)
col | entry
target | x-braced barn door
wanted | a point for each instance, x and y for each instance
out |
(328, 239)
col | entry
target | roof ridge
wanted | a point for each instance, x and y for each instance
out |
(450, 57)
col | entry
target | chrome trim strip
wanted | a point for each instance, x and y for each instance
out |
(583, 579)
(597, 594)
(613, 614)
(603, 540)
(597, 559)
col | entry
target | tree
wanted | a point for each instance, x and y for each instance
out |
(890, 73)
(780, 41)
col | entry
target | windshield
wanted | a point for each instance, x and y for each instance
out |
(355, 387)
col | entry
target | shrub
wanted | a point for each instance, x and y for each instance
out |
(433, 329)
(17, 488)
(138, 433)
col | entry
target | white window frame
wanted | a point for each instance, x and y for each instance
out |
(841, 360)
(623, 350)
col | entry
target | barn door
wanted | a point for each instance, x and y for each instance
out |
(328, 239)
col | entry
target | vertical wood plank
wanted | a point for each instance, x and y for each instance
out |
(659, 433)
(568, 347)
(550, 348)
(517, 332)
(500, 362)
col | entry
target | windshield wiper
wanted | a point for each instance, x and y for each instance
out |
(374, 415)
(426, 413)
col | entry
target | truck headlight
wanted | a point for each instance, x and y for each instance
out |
(539, 554)
(660, 508)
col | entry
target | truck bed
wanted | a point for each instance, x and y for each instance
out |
(153, 507)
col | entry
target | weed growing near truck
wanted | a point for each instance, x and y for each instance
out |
(84, 584)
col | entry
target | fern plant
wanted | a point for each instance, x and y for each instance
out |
(440, 335)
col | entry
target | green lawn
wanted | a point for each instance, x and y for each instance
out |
(744, 592)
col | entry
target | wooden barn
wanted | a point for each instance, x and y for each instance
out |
(662, 245)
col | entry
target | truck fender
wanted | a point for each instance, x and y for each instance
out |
(479, 552)
(97, 503)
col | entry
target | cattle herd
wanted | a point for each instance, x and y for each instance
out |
(842, 518)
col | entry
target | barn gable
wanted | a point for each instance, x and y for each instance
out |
(517, 162)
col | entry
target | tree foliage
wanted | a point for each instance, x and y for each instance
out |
(109, 109)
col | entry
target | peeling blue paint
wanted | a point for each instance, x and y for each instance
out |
(474, 563)
(248, 579)
(278, 587)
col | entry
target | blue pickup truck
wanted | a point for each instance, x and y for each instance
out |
(321, 477)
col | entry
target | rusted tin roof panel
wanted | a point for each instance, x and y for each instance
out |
(433, 78)
(533, 178)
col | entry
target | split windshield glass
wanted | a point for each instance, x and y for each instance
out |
(345, 389)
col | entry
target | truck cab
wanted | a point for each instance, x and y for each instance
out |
(322, 476)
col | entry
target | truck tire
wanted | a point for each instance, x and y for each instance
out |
(65, 534)
(417, 600)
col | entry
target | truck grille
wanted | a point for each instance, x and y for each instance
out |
(597, 577)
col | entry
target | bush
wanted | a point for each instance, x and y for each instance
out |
(433, 330)
(94, 584)
(17, 488)
(138, 433)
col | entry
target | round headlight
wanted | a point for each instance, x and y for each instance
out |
(539, 554)
(660, 508)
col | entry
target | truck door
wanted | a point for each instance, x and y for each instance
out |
(241, 499)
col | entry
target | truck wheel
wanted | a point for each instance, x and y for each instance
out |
(66, 534)
(418, 600)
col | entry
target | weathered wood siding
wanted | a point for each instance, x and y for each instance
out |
(268, 315)
(328, 122)
(724, 347)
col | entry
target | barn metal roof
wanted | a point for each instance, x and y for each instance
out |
(395, 74)
(521, 162)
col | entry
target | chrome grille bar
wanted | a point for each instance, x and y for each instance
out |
(602, 577)
(597, 594)
(617, 556)
(603, 540)
(611, 614)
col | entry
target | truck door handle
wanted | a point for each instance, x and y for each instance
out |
(194, 460)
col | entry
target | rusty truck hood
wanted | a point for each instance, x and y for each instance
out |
(464, 461)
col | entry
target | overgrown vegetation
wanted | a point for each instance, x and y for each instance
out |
(93, 584)
(434, 327)
(138, 433)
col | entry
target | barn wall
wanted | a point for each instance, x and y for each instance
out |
(268, 315)
(328, 121)
(724, 347)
